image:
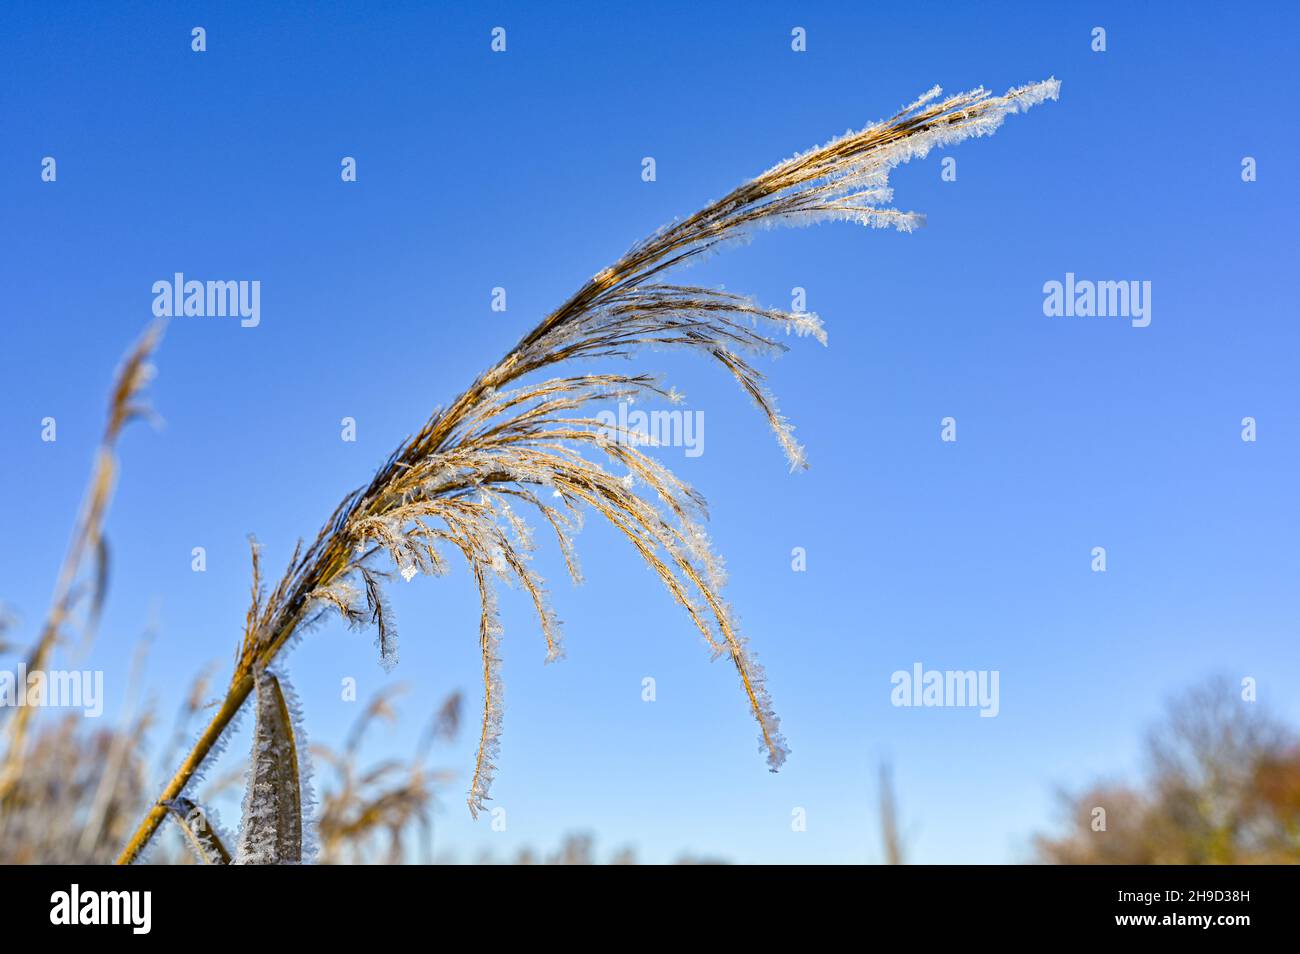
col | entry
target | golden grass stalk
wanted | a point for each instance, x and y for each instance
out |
(87, 538)
(507, 442)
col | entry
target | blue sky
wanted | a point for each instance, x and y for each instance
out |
(522, 170)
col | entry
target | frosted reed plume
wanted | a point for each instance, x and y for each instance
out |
(512, 442)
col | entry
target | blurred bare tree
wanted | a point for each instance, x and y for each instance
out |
(1222, 787)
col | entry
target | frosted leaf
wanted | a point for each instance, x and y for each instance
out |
(201, 835)
(272, 829)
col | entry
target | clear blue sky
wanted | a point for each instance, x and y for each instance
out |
(523, 170)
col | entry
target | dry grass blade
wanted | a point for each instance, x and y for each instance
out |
(378, 709)
(125, 405)
(194, 701)
(376, 809)
(46, 810)
(272, 829)
(7, 621)
(889, 834)
(445, 724)
(201, 837)
(517, 438)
